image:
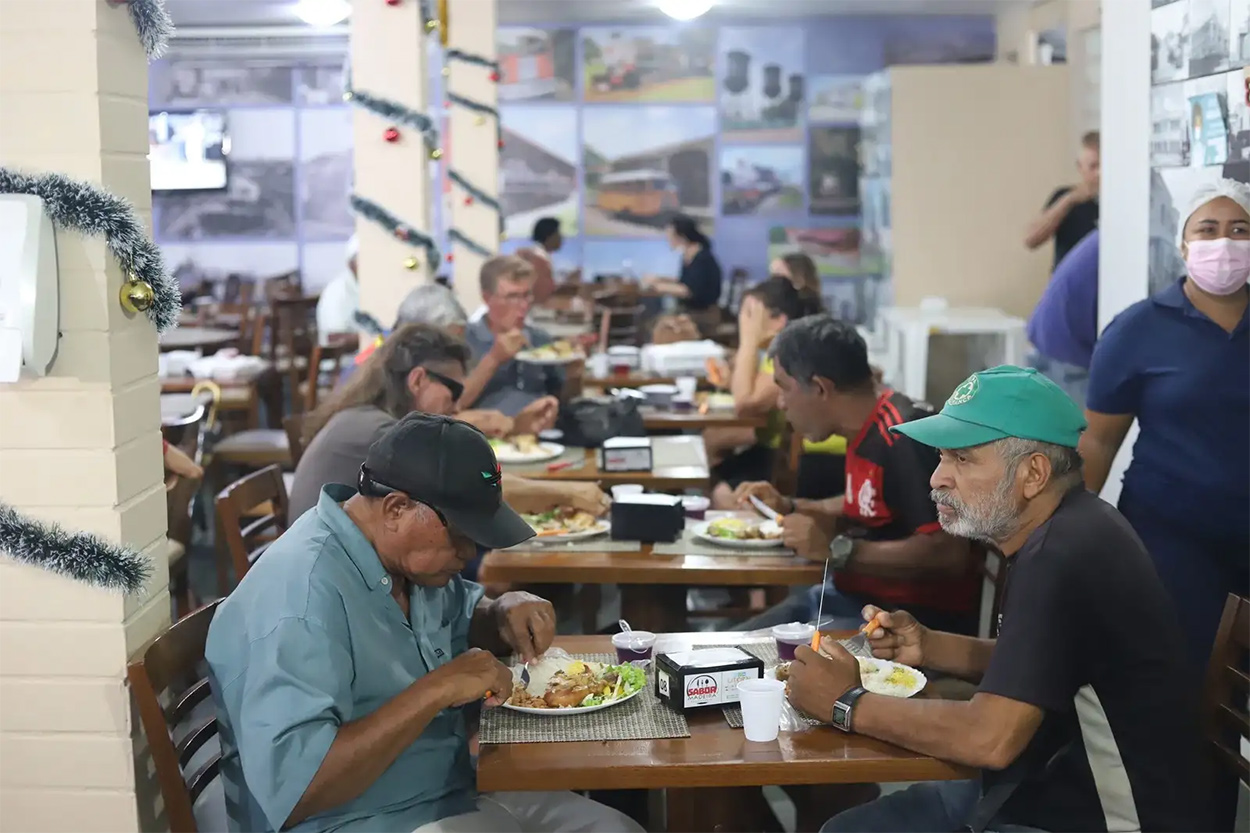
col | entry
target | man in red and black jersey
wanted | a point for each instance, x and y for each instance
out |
(882, 537)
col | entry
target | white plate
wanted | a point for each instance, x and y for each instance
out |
(700, 531)
(887, 666)
(578, 710)
(599, 528)
(528, 357)
(545, 451)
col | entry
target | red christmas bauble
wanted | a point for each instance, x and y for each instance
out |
(393, 2)
(501, 144)
(391, 134)
(468, 201)
(494, 76)
(401, 233)
(450, 258)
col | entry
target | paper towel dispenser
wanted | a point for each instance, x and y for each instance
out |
(30, 304)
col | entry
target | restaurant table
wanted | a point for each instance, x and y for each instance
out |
(179, 410)
(655, 419)
(635, 379)
(218, 320)
(242, 392)
(208, 339)
(690, 471)
(703, 774)
(653, 586)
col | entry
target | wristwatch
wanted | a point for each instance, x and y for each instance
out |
(840, 550)
(843, 706)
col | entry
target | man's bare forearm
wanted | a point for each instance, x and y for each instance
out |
(477, 380)
(364, 749)
(484, 629)
(931, 555)
(949, 730)
(1045, 226)
(820, 509)
(952, 653)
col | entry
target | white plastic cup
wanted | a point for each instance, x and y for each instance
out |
(624, 489)
(761, 702)
(686, 386)
(599, 365)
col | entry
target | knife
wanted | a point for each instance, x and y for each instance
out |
(764, 509)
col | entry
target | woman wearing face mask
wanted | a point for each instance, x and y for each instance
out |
(1179, 363)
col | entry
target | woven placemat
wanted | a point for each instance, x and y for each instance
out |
(687, 544)
(600, 543)
(576, 457)
(766, 651)
(642, 718)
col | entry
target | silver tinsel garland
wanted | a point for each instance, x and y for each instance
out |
(77, 555)
(86, 209)
(153, 24)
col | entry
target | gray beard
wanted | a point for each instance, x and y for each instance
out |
(991, 523)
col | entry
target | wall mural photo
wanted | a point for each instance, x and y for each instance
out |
(536, 64)
(833, 170)
(762, 96)
(761, 180)
(645, 164)
(649, 64)
(538, 168)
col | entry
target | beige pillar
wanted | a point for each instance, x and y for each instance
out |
(475, 142)
(388, 54)
(81, 447)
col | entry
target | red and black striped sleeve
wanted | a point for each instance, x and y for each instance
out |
(906, 488)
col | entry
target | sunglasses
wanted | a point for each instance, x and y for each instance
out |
(455, 388)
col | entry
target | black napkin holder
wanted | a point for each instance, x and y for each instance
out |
(648, 518)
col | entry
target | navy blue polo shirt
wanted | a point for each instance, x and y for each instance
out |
(1187, 380)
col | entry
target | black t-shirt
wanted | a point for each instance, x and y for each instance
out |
(702, 276)
(1081, 220)
(1089, 635)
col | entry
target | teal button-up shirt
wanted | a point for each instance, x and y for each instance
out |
(311, 639)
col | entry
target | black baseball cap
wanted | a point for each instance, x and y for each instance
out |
(449, 465)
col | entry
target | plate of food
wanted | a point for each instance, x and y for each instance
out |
(740, 533)
(561, 685)
(525, 448)
(880, 676)
(566, 524)
(557, 352)
(717, 401)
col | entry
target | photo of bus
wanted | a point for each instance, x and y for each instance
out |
(650, 196)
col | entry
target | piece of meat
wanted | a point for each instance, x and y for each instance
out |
(570, 697)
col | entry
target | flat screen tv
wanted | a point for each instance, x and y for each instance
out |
(188, 150)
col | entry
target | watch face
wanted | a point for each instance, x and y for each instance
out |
(841, 546)
(839, 715)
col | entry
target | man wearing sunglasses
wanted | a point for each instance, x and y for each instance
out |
(342, 664)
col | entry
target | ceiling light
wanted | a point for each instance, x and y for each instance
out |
(684, 9)
(323, 12)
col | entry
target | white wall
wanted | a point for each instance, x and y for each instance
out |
(1124, 221)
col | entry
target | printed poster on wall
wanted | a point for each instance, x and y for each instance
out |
(1209, 129)
(1169, 129)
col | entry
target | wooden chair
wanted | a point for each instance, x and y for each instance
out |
(336, 352)
(1224, 702)
(179, 494)
(251, 513)
(292, 339)
(294, 427)
(170, 671)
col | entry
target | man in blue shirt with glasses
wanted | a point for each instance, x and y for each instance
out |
(342, 663)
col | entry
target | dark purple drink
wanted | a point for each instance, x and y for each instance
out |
(633, 646)
(791, 636)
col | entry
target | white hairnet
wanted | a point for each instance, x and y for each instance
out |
(353, 248)
(1238, 192)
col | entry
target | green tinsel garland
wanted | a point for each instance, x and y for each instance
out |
(372, 211)
(89, 210)
(78, 555)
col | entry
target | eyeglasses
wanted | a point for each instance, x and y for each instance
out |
(455, 388)
(517, 297)
(372, 487)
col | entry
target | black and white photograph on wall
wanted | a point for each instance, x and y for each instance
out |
(836, 98)
(1052, 47)
(320, 84)
(762, 84)
(1238, 117)
(643, 165)
(833, 170)
(181, 83)
(206, 266)
(1208, 37)
(1169, 43)
(258, 201)
(538, 168)
(1239, 33)
(761, 180)
(536, 64)
(910, 41)
(325, 173)
(1169, 130)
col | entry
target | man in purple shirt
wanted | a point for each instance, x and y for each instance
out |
(1064, 326)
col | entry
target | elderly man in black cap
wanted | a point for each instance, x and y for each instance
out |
(341, 663)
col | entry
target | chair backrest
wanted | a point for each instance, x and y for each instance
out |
(738, 277)
(1224, 707)
(171, 691)
(179, 492)
(244, 531)
(294, 427)
(337, 351)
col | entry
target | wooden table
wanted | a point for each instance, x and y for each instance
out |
(198, 338)
(653, 587)
(179, 410)
(660, 478)
(662, 420)
(704, 774)
(217, 320)
(244, 392)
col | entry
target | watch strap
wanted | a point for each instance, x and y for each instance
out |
(844, 707)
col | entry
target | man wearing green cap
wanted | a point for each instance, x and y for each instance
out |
(1082, 718)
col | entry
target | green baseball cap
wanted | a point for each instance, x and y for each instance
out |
(1001, 402)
